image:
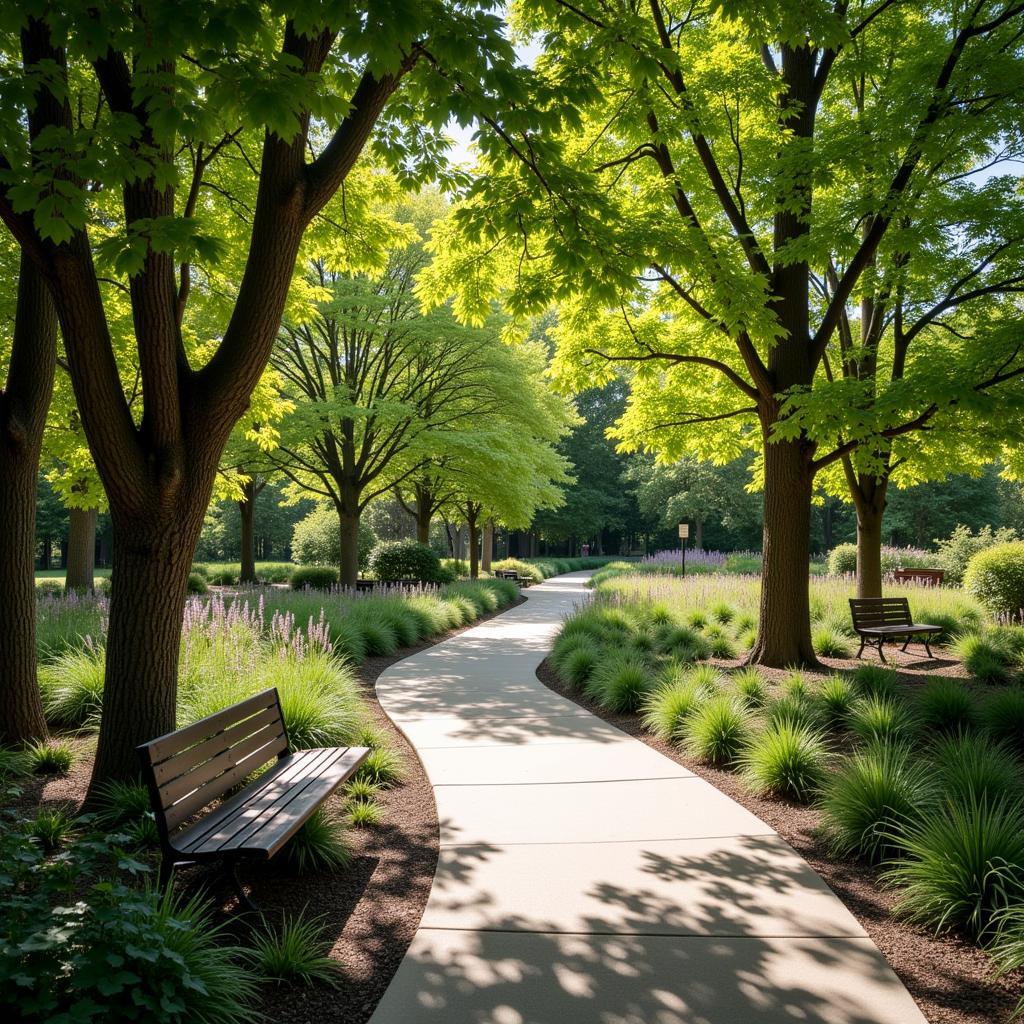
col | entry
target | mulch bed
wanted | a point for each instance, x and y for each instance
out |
(369, 912)
(950, 979)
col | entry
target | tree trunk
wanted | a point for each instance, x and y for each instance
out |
(44, 555)
(698, 534)
(152, 559)
(474, 545)
(784, 634)
(424, 513)
(348, 523)
(869, 500)
(23, 407)
(488, 547)
(247, 509)
(81, 550)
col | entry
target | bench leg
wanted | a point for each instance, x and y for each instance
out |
(881, 653)
(861, 651)
(231, 870)
(927, 647)
(906, 644)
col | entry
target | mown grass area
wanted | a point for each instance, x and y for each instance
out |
(924, 782)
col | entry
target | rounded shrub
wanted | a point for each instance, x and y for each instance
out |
(995, 576)
(223, 577)
(946, 705)
(407, 560)
(717, 731)
(620, 682)
(842, 560)
(314, 577)
(963, 865)
(197, 584)
(870, 797)
(316, 539)
(1002, 715)
(970, 766)
(785, 760)
(378, 634)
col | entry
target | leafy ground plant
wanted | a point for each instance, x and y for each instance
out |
(50, 758)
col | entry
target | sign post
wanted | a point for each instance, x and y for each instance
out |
(684, 532)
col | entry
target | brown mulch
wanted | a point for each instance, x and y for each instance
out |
(369, 911)
(950, 979)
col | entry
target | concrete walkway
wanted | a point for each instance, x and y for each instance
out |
(586, 879)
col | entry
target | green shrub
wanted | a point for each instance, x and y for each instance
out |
(875, 681)
(985, 656)
(50, 758)
(786, 760)
(314, 577)
(796, 685)
(995, 576)
(295, 952)
(667, 708)
(197, 584)
(835, 701)
(565, 643)
(880, 720)
(750, 687)
(722, 646)
(504, 590)
(830, 642)
(709, 678)
(524, 570)
(969, 767)
(717, 731)
(620, 682)
(682, 642)
(274, 572)
(963, 865)
(316, 539)
(1002, 715)
(407, 560)
(347, 637)
(319, 845)
(383, 767)
(51, 828)
(870, 797)
(842, 560)
(956, 551)
(50, 586)
(945, 705)
(223, 577)
(72, 688)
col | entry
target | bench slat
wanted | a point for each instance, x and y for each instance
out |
(239, 822)
(191, 758)
(175, 742)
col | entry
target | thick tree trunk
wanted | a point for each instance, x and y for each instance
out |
(247, 510)
(348, 525)
(152, 560)
(473, 529)
(23, 408)
(424, 513)
(488, 546)
(870, 514)
(81, 550)
(784, 634)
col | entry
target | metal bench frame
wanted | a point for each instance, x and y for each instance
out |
(210, 761)
(877, 619)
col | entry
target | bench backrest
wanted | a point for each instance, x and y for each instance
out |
(190, 768)
(930, 577)
(880, 611)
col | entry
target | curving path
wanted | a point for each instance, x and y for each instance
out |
(586, 879)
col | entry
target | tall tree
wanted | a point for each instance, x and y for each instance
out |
(696, 189)
(171, 89)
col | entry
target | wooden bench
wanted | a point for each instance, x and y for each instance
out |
(511, 574)
(929, 577)
(877, 619)
(189, 770)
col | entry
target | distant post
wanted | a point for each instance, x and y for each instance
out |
(684, 532)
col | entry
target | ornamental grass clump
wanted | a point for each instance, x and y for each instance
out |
(830, 642)
(321, 844)
(870, 797)
(798, 710)
(835, 702)
(972, 766)
(51, 828)
(579, 666)
(786, 760)
(667, 708)
(988, 658)
(294, 952)
(880, 720)
(71, 685)
(946, 705)
(717, 731)
(1002, 716)
(620, 681)
(962, 865)
(750, 687)
(49, 758)
(875, 681)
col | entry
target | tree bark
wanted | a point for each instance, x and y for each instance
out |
(23, 407)
(348, 525)
(247, 510)
(784, 633)
(488, 547)
(81, 550)
(869, 551)
(424, 513)
(473, 529)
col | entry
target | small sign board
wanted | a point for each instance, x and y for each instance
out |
(684, 530)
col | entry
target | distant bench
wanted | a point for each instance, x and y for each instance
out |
(877, 619)
(929, 577)
(188, 770)
(511, 574)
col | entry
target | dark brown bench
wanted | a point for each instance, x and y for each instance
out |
(928, 577)
(877, 619)
(189, 770)
(511, 574)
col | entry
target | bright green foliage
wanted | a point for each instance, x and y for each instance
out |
(881, 720)
(667, 708)
(973, 767)
(875, 680)
(620, 682)
(797, 710)
(72, 687)
(963, 865)
(946, 705)
(50, 758)
(383, 767)
(294, 952)
(787, 760)
(1008, 948)
(956, 551)
(985, 656)
(995, 575)
(842, 559)
(316, 539)
(717, 731)
(750, 686)
(406, 560)
(871, 796)
(835, 701)
(363, 813)
(51, 828)
(830, 642)
(317, 577)
(320, 844)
